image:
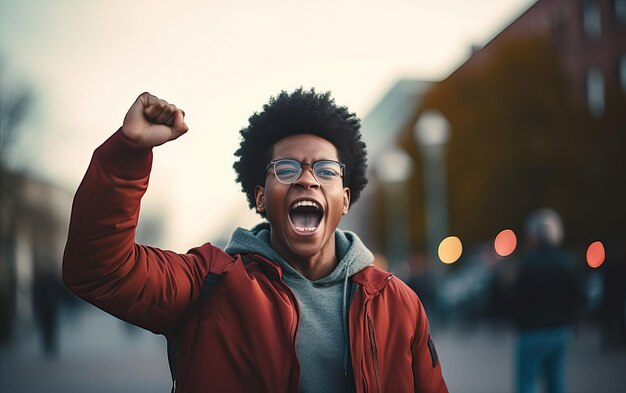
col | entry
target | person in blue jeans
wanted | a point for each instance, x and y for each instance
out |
(546, 296)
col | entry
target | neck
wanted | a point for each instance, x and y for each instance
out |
(314, 270)
(313, 267)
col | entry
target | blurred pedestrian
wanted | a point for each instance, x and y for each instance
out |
(546, 296)
(46, 300)
(49, 294)
(298, 304)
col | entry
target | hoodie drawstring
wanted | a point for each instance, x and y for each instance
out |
(346, 336)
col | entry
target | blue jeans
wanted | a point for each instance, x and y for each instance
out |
(541, 355)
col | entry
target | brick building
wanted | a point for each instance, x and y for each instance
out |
(538, 118)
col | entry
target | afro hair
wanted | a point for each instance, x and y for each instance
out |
(301, 112)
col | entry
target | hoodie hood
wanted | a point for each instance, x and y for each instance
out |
(352, 254)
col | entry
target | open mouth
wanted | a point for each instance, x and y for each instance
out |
(306, 215)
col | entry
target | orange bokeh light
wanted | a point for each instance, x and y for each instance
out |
(450, 249)
(505, 243)
(595, 254)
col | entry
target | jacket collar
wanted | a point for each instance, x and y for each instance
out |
(373, 279)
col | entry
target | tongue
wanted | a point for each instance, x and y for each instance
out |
(305, 220)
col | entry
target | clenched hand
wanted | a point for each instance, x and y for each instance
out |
(151, 121)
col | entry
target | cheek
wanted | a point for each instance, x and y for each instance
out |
(336, 203)
(274, 201)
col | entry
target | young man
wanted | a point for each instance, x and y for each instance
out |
(299, 307)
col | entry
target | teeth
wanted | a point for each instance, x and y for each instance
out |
(306, 203)
(306, 229)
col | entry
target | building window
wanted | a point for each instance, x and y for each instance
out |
(595, 92)
(592, 24)
(621, 67)
(619, 7)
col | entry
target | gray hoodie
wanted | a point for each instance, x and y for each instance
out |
(322, 336)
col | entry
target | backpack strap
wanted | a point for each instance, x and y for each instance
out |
(211, 281)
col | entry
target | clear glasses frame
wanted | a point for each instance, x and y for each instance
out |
(288, 171)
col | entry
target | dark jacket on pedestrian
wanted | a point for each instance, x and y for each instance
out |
(546, 292)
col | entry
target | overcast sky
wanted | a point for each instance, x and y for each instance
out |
(87, 60)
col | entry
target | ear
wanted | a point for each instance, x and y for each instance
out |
(259, 197)
(346, 200)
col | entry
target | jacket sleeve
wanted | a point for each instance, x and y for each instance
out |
(427, 373)
(102, 264)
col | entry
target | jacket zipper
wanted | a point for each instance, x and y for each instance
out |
(294, 326)
(370, 326)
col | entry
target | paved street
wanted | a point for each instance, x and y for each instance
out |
(99, 354)
(480, 360)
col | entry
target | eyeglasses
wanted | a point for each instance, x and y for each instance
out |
(287, 171)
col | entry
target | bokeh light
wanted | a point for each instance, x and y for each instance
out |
(505, 243)
(595, 254)
(450, 249)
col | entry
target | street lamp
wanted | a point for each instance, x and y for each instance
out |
(432, 132)
(393, 168)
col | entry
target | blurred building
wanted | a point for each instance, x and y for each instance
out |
(537, 117)
(380, 129)
(34, 218)
(587, 36)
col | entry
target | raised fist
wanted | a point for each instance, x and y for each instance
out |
(151, 121)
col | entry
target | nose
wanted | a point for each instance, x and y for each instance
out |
(307, 178)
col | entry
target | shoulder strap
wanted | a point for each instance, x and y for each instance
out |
(173, 339)
(211, 280)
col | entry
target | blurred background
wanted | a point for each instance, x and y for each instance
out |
(489, 125)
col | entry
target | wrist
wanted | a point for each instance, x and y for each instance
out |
(124, 157)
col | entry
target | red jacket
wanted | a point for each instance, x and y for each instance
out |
(242, 339)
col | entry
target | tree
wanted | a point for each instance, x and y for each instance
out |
(515, 145)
